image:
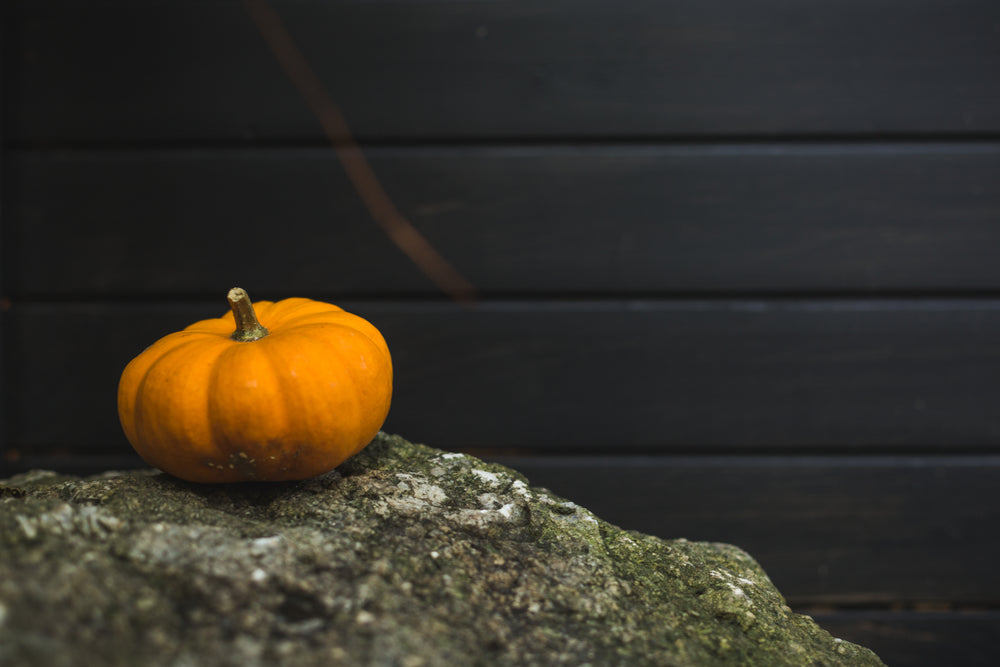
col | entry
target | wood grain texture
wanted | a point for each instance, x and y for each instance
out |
(650, 375)
(197, 70)
(614, 219)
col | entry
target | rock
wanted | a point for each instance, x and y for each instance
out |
(405, 555)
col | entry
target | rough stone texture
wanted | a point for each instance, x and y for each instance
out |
(405, 555)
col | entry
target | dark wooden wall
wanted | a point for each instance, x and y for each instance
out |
(737, 263)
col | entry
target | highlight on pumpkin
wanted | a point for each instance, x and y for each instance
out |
(270, 391)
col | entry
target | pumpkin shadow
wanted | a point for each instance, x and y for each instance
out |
(243, 494)
(259, 494)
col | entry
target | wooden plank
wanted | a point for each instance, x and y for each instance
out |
(516, 220)
(663, 375)
(198, 70)
(831, 530)
(920, 639)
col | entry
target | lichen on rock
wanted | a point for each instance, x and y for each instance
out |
(405, 555)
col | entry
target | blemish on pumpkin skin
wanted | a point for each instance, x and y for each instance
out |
(239, 462)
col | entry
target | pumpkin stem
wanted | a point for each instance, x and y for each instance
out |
(247, 326)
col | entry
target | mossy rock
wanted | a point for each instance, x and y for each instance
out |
(405, 555)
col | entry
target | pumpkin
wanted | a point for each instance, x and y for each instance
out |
(270, 391)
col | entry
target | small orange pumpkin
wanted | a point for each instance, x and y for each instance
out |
(289, 396)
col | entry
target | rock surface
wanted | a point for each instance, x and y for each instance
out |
(405, 555)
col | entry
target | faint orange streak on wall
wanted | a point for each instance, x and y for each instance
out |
(399, 230)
